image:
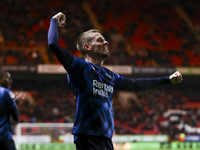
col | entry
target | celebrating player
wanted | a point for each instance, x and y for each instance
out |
(93, 86)
(8, 107)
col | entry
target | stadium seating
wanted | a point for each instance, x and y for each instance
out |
(141, 33)
(159, 30)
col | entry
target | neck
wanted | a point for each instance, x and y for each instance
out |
(95, 61)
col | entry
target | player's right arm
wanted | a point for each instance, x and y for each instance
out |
(63, 55)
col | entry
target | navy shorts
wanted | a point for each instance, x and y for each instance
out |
(90, 142)
(7, 144)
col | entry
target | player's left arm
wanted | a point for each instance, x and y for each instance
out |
(143, 84)
(11, 105)
(13, 102)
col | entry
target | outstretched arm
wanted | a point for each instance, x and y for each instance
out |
(128, 84)
(63, 55)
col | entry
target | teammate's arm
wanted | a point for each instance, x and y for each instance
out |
(14, 101)
(148, 83)
(14, 113)
(63, 55)
(11, 105)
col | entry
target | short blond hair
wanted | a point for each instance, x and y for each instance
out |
(85, 38)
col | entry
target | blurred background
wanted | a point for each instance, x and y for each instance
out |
(146, 39)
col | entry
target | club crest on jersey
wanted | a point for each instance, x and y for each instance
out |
(108, 76)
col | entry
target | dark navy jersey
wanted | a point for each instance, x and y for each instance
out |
(93, 87)
(7, 103)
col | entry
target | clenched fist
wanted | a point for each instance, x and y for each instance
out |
(60, 17)
(176, 77)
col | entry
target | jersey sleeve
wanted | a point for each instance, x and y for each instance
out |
(76, 66)
(118, 80)
(142, 84)
(75, 71)
(10, 99)
(11, 104)
(63, 55)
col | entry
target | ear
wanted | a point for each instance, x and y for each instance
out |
(87, 47)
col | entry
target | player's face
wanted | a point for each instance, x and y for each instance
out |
(6, 80)
(99, 46)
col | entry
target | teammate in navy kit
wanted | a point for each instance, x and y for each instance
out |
(93, 86)
(8, 107)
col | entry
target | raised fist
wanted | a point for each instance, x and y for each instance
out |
(60, 17)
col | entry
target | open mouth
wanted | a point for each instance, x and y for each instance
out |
(106, 49)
